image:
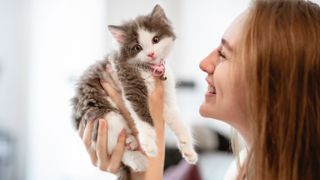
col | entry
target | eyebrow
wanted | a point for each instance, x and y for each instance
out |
(226, 44)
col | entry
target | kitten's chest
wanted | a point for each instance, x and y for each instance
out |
(149, 81)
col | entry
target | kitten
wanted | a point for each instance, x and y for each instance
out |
(144, 45)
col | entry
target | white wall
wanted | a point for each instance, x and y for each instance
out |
(13, 72)
(65, 37)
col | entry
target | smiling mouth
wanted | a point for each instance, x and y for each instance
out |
(211, 87)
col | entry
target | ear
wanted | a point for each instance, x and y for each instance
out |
(117, 32)
(158, 13)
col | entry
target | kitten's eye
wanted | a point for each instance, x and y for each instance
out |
(155, 40)
(137, 48)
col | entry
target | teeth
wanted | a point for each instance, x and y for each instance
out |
(212, 90)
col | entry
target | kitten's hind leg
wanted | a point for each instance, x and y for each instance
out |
(132, 143)
(115, 124)
(134, 159)
(147, 138)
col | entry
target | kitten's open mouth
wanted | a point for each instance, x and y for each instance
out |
(158, 69)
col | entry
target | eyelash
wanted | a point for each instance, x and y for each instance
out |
(221, 54)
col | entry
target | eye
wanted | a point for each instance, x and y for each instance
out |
(155, 39)
(137, 48)
(222, 56)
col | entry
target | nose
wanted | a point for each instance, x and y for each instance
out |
(208, 64)
(151, 55)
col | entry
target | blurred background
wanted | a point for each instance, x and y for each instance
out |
(44, 47)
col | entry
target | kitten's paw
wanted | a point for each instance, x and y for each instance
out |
(149, 146)
(131, 143)
(135, 160)
(188, 153)
(147, 139)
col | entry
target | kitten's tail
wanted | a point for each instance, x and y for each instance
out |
(124, 174)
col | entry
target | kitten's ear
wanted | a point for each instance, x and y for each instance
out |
(158, 13)
(117, 32)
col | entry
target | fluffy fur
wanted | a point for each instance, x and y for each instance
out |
(145, 42)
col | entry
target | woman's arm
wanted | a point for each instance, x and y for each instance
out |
(156, 164)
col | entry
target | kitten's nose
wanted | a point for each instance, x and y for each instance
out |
(151, 55)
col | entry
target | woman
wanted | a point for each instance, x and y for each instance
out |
(263, 80)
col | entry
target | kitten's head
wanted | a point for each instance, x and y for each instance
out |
(147, 39)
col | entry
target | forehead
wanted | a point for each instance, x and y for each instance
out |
(233, 33)
(144, 36)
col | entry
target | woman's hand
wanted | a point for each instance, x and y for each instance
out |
(98, 153)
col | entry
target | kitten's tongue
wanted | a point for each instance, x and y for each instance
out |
(158, 69)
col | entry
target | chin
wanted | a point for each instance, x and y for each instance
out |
(209, 111)
(204, 111)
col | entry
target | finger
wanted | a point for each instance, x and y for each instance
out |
(109, 89)
(102, 147)
(115, 96)
(81, 129)
(87, 140)
(158, 87)
(113, 76)
(116, 157)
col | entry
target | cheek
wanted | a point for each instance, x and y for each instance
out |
(142, 56)
(221, 79)
(232, 101)
(227, 102)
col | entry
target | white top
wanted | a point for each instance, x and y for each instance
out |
(233, 170)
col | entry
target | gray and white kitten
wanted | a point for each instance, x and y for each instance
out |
(144, 43)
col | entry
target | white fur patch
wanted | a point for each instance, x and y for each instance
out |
(149, 81)
(134, 159)
(115, 124)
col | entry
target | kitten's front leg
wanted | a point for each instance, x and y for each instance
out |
(182, 132)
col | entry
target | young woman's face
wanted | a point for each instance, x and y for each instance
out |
(224, 98)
